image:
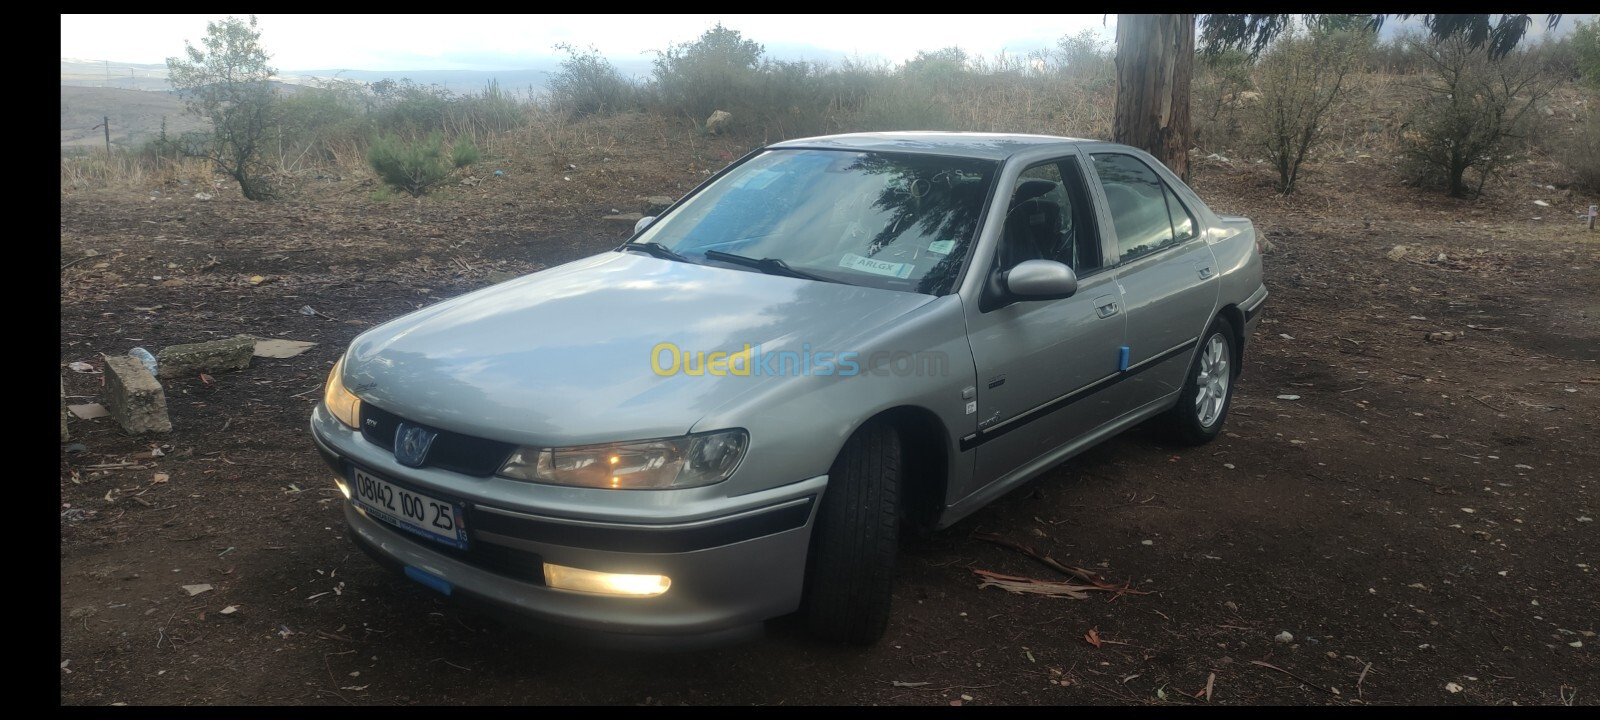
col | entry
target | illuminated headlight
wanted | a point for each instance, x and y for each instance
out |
(665, 464)
(342, 403)
(562, 577)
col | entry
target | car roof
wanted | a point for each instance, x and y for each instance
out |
(988, 146)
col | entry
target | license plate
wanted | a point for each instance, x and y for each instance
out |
(409, 510)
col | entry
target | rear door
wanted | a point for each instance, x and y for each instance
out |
(1165, 272)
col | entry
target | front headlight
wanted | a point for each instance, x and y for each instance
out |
(342, 403)
(665, 464)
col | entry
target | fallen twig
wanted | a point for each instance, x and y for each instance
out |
(79, 260)
(1484, 402)
(1020, 585)
(1362, 678)
(308, 392)
(1096, 579)
(451, 664)
(1270, 666)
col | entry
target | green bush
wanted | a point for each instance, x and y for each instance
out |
(937, 69)
(901, 103)
(712, 73)
(588, 84)
(1399, 55)
(317, 119)
(1585, 42)
(1214, 96)
(409, 108)
(491, 110)
(1301, 78)
(464, 151)
(410, 166)
(1468, 110)
(1582, 154)
(1084, 55)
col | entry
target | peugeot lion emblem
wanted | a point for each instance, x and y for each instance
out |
(411, 444)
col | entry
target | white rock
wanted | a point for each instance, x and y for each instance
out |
(1452, 687)
(1288, 397)
(1541, 203)
(1284, 637)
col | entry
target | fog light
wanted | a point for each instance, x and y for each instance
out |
(602, 583)
(342, 488)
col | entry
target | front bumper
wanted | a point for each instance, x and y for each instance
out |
(729, 572)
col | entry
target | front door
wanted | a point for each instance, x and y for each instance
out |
(1039, 362)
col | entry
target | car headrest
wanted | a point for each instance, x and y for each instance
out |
(1030, 189)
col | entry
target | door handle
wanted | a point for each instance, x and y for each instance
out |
(1105, 306)
(1205, 272)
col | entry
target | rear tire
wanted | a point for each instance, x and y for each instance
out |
(1207, 390)
(850, 575)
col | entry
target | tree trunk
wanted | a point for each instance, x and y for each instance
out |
(1155, 64)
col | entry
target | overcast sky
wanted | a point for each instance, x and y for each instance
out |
(501, 42)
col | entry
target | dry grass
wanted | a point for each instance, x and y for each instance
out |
(94, 170)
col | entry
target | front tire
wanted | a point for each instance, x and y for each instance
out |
(850, 575)
(1208, 390)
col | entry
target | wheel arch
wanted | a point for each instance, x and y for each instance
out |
(1235, 318)
(924, 461)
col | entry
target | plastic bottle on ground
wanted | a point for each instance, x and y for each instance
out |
(145, 357)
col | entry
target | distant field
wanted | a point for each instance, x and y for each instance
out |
(135, 116)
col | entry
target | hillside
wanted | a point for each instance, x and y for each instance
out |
(135, 116)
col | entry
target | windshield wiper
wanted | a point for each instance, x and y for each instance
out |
(656, 249)
(770, 266)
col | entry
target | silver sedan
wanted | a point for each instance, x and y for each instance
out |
(731, 416)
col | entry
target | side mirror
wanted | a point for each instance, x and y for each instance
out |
(1040, 280)
(643, 223)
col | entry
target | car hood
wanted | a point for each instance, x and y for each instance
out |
(563, 356)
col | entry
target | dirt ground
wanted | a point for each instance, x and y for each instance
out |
(1417, 514)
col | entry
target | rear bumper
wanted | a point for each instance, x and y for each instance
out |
(729, 573)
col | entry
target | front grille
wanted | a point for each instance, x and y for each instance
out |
(451, 451)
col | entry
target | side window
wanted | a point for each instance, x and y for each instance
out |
(1183, 225)
(1145, 212)
(1050, 218)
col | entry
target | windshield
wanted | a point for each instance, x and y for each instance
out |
(887, 220)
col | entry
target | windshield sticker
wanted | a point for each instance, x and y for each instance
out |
(876, 267)
(942, 247)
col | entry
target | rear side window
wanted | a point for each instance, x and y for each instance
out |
(1146, 213)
